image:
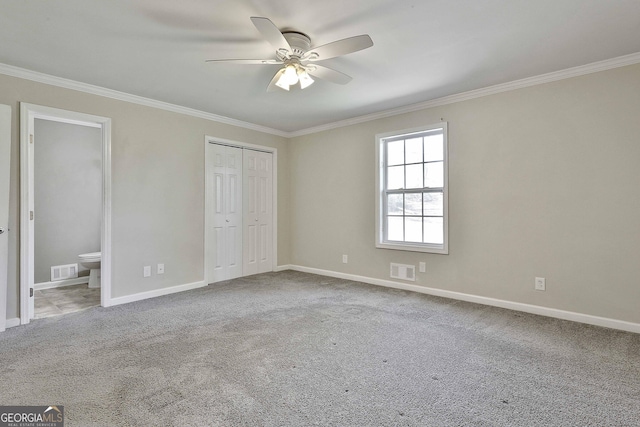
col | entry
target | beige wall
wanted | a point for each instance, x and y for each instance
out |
(158, 186)
(543, 182)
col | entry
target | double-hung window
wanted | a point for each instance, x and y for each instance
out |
(412, 191)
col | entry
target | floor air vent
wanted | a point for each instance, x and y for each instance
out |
(62, 272)
(403, 271)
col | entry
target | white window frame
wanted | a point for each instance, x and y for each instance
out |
(380, 193)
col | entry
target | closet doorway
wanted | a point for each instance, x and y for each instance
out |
(240, 209)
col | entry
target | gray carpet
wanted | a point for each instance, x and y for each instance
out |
(295, 349)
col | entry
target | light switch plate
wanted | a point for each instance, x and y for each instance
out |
(147, 271)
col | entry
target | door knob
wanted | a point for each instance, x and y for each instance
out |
(1, 230)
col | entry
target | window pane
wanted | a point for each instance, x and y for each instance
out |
(414, 176)
(433, 175)
(395, 153)
(434, 230)
(413, 204)
(433, 204)
(395, 177)
(394, 204)
(433, 148)
(394, 228)
(413, 230)
(413, 149)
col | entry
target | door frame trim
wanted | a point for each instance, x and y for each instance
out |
(6, 120)
(28, 114)
(274, 196)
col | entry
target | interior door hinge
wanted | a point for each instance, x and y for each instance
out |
(31, 138)
(30, 292)
(31, 215)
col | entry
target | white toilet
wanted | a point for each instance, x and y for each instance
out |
(91, 261)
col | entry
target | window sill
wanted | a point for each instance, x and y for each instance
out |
(434, 249)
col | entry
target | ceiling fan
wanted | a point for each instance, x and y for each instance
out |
(298, 58)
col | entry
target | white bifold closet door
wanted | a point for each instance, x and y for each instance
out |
(224, 178)
(258, 212)
(239, 212)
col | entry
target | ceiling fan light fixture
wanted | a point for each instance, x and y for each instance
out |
(305, 78)
(293, 74)
(290, 75)
(282, 82)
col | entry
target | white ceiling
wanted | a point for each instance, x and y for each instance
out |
(423, 49)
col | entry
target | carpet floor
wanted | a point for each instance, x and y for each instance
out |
(296, 349)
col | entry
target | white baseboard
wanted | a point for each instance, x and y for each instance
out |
(12, 322)
(282, 268)
(517, 306)
(156, 293)
(61, 283)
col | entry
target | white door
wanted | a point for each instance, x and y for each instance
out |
(224, 182)
(258, 212)
(5, 158)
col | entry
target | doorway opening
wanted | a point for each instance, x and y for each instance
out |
(240, 209)
(74, 156)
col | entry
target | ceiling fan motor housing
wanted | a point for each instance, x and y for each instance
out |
(300, 43)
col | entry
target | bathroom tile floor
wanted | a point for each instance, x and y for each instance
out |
(68, 299)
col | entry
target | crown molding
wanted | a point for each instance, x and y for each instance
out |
(568, 73)
(581, 70)
(35, 76)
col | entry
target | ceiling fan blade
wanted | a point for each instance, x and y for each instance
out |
(341, 47)
(271, 33)
(247, 61)
(330, 75)
(272, 85)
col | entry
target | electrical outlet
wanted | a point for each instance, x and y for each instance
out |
(345, 259)
(540, 284)
(147, 271)
(423, 267)
(160, 268)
